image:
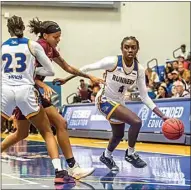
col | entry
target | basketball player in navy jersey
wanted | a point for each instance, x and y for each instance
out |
(122, 73)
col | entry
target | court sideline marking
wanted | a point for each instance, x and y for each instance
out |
(122, 182)
(21, 179)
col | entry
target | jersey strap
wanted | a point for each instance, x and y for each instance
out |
(119, 63)
(135, 65)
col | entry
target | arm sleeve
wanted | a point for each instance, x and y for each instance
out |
(143, 89)
(47, 67)
(106, 63)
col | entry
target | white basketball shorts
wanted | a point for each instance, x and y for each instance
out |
(24, 97)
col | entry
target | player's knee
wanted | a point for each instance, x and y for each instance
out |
(45, 131)
(62, 124)
(25, 135)
(118, 136)
(21, 136)
(137, 122)
(65, 124)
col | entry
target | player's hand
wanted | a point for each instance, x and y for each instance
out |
(164, 118)
(97, 80)
(48, 91)
(59, 81)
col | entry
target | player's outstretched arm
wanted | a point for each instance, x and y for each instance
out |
(106, 63)
(68, 68)
(59, 81)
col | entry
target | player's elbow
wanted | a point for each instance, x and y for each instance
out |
(51, 73)
(83, 70)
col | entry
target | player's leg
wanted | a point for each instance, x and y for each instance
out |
(29, 107)
(20, 134)
(125, 115)
(41, 122)
(117, 136)
(60, 124)
(37, 116)
(7, 104)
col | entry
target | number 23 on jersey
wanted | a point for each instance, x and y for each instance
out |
(14, 63)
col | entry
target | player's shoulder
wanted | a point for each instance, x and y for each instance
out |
(6, 42)
(35, 45)
(15, 41)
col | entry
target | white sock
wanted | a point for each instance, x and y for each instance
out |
(107, 153)
(57, 164)
(131, 150)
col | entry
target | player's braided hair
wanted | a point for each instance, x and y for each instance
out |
(38, 27)
(131, 38)
(16, 26)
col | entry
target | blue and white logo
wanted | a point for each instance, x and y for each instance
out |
(14, 42)
(143, 113)
(105, 108)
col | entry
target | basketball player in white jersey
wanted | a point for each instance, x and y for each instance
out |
(122, 72)
(18, 68)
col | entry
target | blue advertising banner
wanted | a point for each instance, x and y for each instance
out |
(86, 116)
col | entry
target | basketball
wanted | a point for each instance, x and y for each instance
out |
(173, 128)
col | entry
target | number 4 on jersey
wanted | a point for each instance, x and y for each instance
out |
(121, 89)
